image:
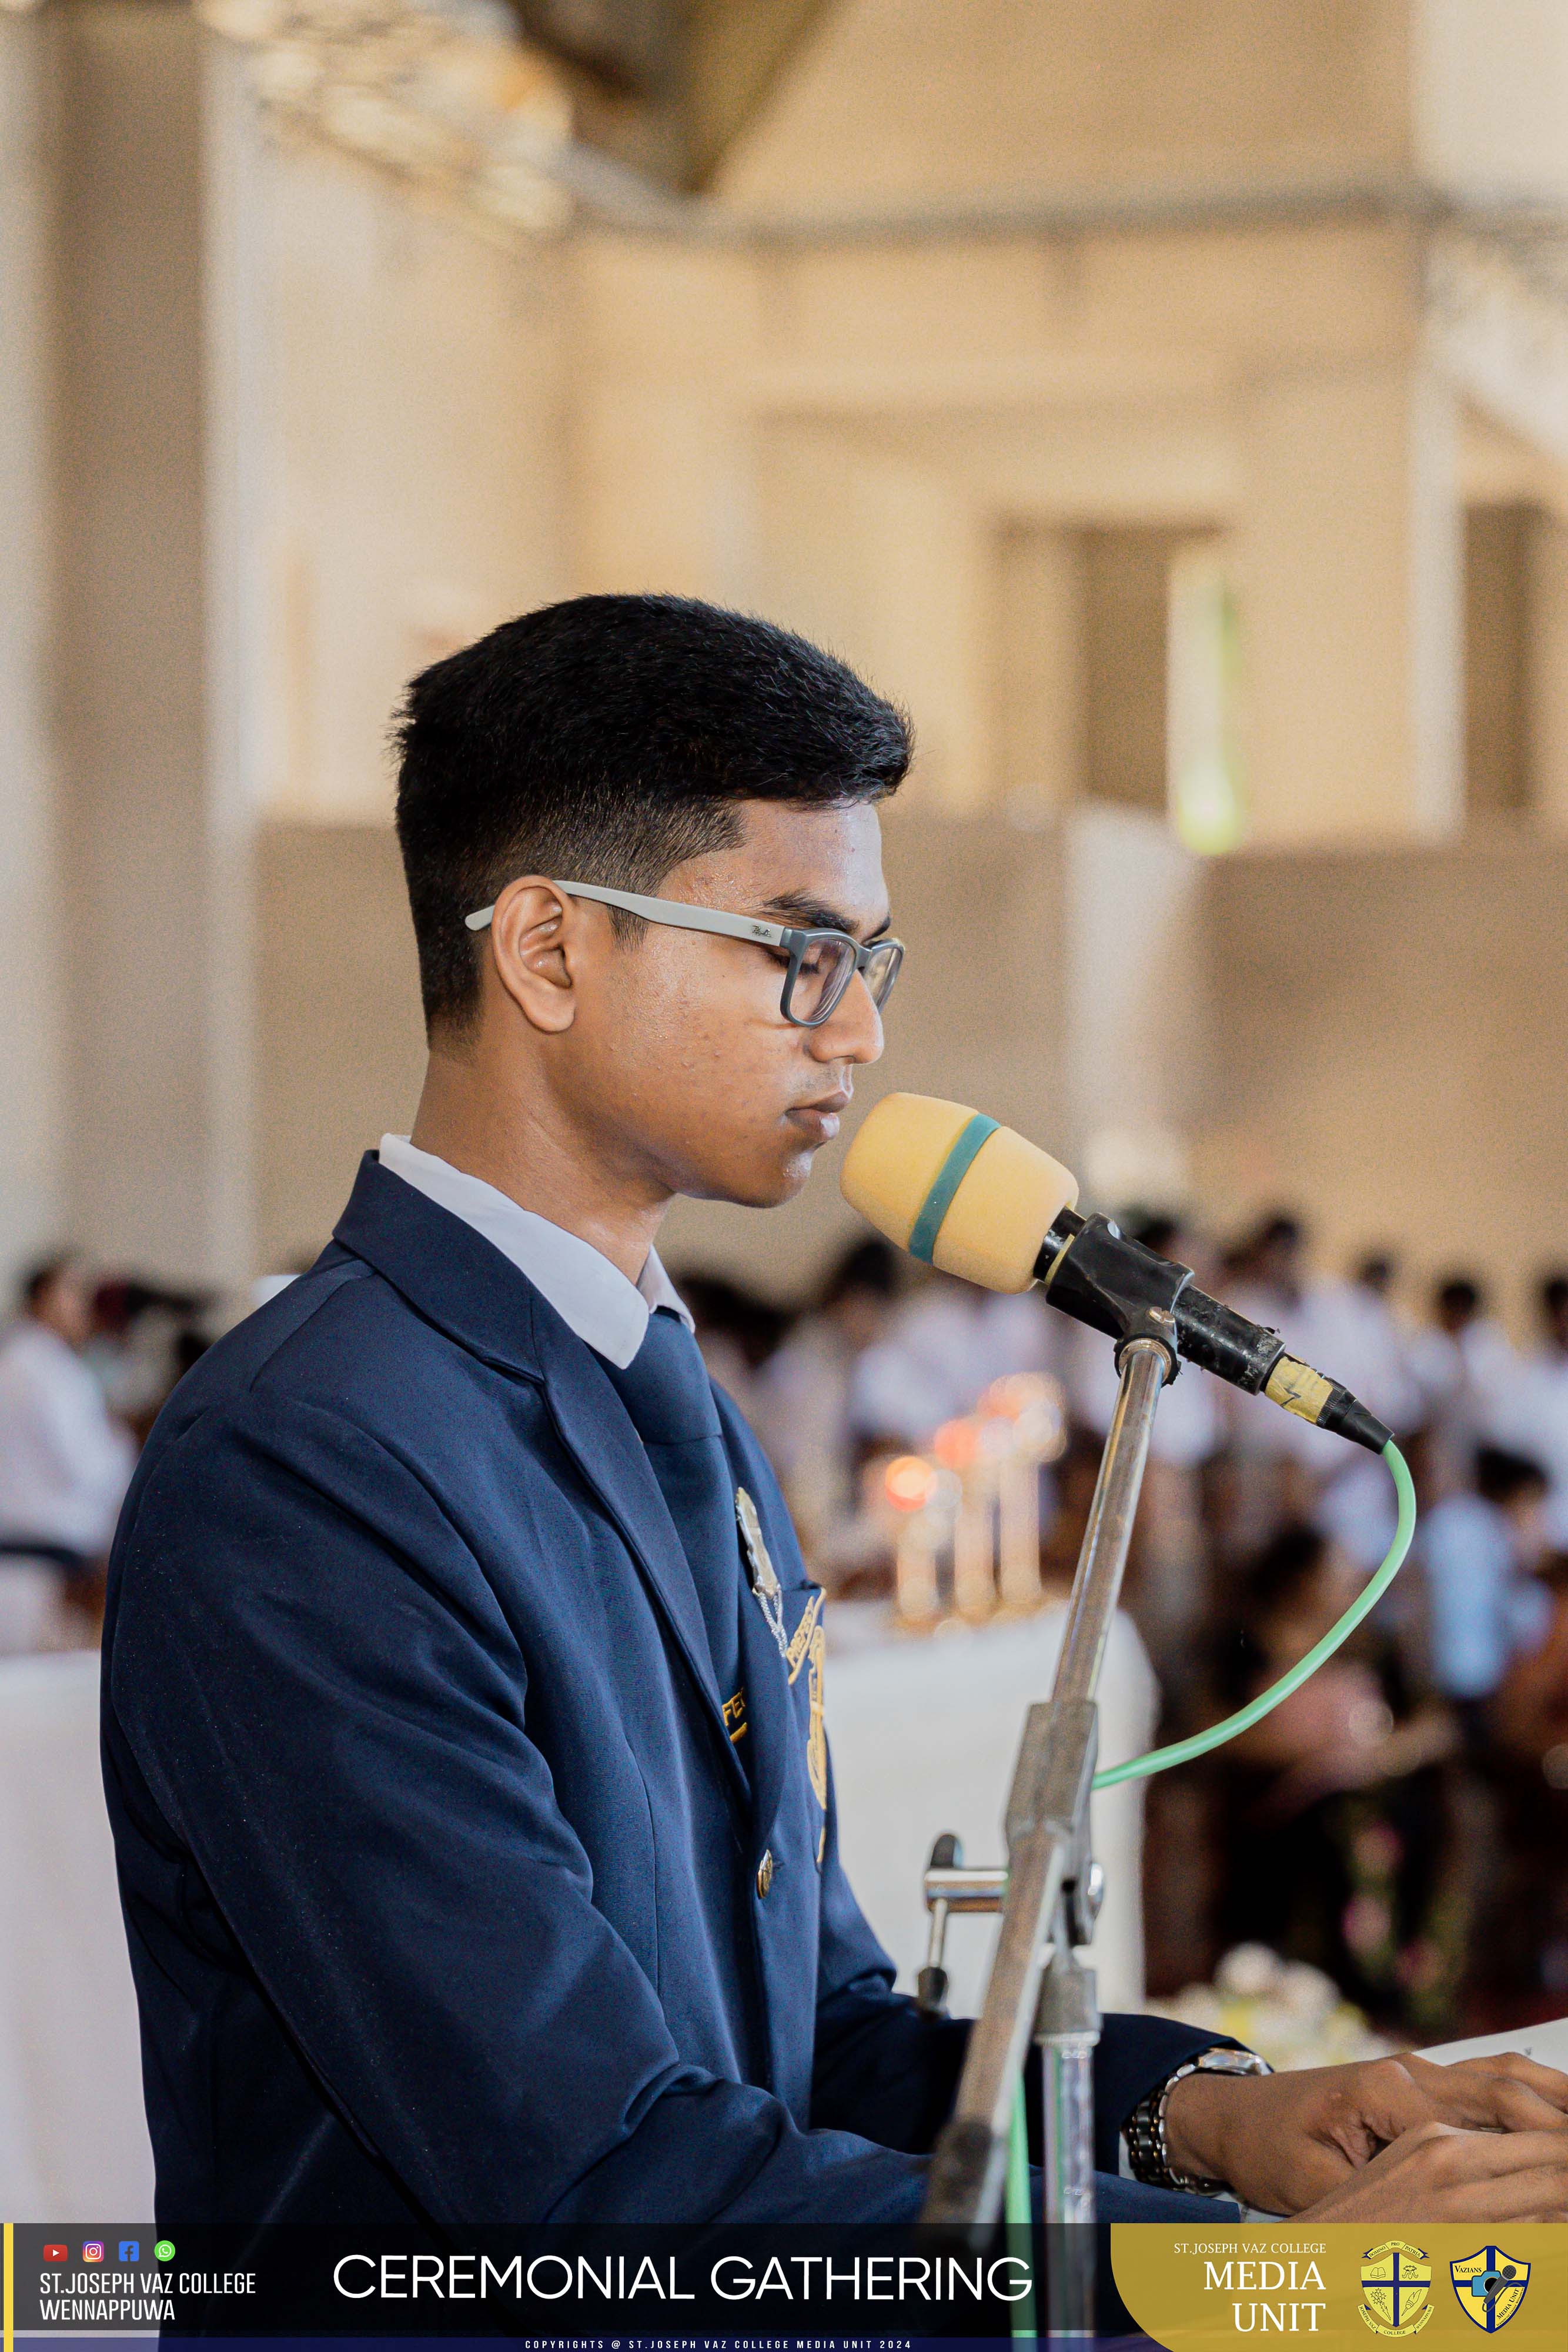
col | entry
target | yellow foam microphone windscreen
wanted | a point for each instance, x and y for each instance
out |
(956, 1189)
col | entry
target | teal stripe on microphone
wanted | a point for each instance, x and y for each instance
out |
(951, 1174)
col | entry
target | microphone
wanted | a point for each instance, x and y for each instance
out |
(974, 1199)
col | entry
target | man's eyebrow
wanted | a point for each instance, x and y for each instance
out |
(816, 915)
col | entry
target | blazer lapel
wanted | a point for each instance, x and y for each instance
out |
(463, 1284)
(594, 1428)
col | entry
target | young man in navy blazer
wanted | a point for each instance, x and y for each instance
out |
(463, 1745)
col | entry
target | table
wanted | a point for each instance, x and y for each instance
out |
(73, 2137)
(924, 1730)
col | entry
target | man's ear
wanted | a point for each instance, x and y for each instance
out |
(538, 943)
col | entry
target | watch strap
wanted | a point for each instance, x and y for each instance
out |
(1148, 2152)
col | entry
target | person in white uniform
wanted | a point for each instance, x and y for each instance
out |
(945, 1345)
(1531, 1417)
(1465, 1369)
(65, 1461)
(1166, 1590)
(1477, 1553)
(1350, 1331)
(802, 1393)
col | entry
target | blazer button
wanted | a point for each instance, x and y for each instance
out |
(765, 1873)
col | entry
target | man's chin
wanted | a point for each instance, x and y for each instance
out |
(758, 1187)
(793, 1177)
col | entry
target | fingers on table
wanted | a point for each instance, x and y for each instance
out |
(1518, 2072)
(1519, 2108)
(1541, 2196)
(1484, 2176)
(1512, 2092)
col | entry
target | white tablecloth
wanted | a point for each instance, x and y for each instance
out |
(73, 2137)
(924, 1732)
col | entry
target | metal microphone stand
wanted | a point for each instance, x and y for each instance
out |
(1049, 1893)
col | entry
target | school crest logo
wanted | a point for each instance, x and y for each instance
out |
(1490, 2286)
(1396, 2289)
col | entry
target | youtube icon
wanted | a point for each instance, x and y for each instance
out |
(56, 2254)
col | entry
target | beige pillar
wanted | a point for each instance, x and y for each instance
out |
(148, 936)
(414, 398)
(1348, 558)
(1041, 689)
(1133, 1015)
(238, 459)
(31, 977)
(1546, 672)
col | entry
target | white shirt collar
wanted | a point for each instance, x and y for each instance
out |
(586, 1291)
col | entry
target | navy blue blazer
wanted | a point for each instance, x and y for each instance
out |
(448, 1898)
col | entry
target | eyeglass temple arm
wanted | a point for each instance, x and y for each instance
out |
(670, 912)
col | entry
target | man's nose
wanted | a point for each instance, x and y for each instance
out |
(852, 1031)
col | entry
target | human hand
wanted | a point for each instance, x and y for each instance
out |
(1437, 2172)
(1283, 2142)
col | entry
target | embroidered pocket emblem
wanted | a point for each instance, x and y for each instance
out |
(764, 1576)
(810, 1645)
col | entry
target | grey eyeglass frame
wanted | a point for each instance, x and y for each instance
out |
(681, 917)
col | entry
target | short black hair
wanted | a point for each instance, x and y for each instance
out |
(1460, 1294)
(1159, 1232)
(1501, 1476)
(606, 740)
(1280, 1572)
(728, 1310)
(42, 1276)
(869, 1265)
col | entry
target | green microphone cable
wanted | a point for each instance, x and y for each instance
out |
(1184, 1751)
(1019, 2211)
(1019, 2204)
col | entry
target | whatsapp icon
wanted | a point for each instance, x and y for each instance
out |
(164, 2249)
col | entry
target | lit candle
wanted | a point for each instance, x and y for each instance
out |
(910, 1485)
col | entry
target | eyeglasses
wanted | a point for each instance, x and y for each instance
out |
(821, 963)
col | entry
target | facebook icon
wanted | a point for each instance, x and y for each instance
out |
(130, 2250)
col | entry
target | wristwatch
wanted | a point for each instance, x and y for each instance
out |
(1145, 2129)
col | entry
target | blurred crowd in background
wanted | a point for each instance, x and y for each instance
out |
(1401, 1823)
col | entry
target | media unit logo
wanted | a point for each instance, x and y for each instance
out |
(1490, 2286)
(1396, 2289)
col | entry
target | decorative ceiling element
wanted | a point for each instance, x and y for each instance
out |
(664, 86)
(522, 111)
(616, 110)
(441, 92)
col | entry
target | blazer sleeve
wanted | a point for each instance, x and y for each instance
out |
(883, 2069)
(323, 1699)
(879, 2067)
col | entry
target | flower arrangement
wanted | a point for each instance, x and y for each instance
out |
(1291, 2014)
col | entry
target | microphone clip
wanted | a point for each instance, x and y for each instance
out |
(1088, 1266)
